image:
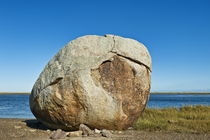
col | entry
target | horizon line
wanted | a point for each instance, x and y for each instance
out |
(150, 92)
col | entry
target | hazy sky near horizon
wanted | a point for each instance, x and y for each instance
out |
(176, 33)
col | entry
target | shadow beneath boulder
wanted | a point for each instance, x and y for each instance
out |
(35, 124)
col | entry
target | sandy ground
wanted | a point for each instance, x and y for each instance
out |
(26, 129)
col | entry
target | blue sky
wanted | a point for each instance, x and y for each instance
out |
(176, 32)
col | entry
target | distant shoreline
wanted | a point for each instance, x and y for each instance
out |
(151, 93)
(180, 92)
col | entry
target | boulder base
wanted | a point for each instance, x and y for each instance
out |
(100, 81)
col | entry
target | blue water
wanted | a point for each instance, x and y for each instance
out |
(177, 100)
(17, 106)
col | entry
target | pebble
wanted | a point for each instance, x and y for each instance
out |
(32, 130)
(86, 131)
(17, 127)
(97, 131)
(130, 128)
(106, 133)
(58, 134)
(75, 133)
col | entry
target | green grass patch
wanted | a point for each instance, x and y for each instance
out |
(194, 119)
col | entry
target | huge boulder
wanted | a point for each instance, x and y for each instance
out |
(100, 81)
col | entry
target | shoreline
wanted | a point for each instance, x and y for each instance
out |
(168, 123)
(25, 129)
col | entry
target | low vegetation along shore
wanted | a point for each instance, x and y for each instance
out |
(190, 119)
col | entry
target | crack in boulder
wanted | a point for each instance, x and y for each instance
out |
(133, 60)
(55, 81)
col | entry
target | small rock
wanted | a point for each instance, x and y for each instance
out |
(75, 134)
(130, 128)
(96, 131)
(48, 130)
(17, 127)
(120, 132)
(32, 130)
(86, 131)
(106, 133)
(58, 134)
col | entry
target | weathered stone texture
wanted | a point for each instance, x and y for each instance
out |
(100, 81)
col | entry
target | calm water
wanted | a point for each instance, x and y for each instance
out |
(17, 106)
(177, 100)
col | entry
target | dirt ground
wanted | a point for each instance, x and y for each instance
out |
(27, 129)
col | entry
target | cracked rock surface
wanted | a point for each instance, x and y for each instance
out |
(100, 81)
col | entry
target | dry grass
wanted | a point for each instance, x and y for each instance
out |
(194, 119)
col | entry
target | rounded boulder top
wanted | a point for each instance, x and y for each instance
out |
(100, 81)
